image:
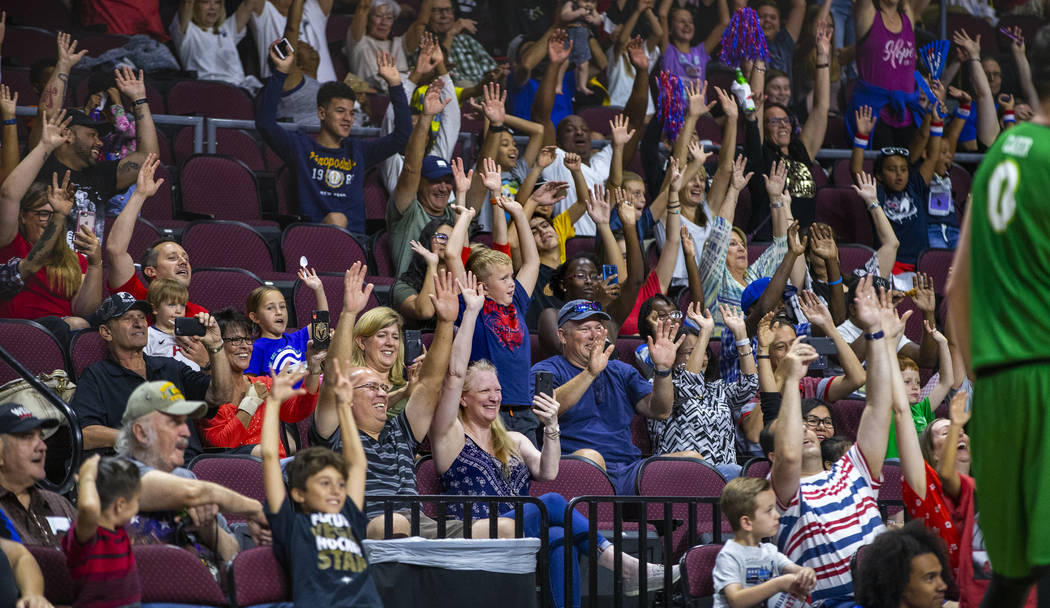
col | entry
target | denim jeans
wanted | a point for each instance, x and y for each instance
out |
(943, 236)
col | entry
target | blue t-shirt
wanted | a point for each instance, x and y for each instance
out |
(906, 212)
(645, 224)
(521, 98)
(601, 419)
(502, 338)
(275, 353)
(330, 179)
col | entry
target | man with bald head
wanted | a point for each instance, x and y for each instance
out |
(389, 444)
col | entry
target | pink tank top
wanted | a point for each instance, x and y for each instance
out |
(887, 60)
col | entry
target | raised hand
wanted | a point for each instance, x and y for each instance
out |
(676, 174)
(549, 193)
(864, 119)
(697, 93)
(134, 87)
(315, 357)
(388, 68)
(1006, 102)
(511, 206)
(796, 244)
(446, 304)
(765, 335)
(893, 323)
(664, 348)
(823, 35)
(740, 179)
(460, 210)
(429, 53)
(822, 242)
(688, 245)
(776, 180)
(599, 355)
(55, 130)
(473, 292)
(931, 328)
(698, 314)
(816, 311)
(61, 196)
(433, 104)
(621, 131)
(493, 104)
(636, 53)
(572, 161)
(969, 48)
(1017, 46)
(144, 183)
(867, 188)
(867, 304)
(491, 175)
(733, 318)
(546, 409)
(728, 104)
(796, 362)
(310, 278)
(598, 205)
(428, 256)
(282, 65)
(68, 56)
(608, 291)
(460, 178)
(628, 214)
(925, 299)
(958, 413)
(213, 336)
(355, 290)
(465, 25)
(546, 156)
(558, 47)
(8, 102)
(697, 153)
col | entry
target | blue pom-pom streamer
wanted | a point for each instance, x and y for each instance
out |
(743, 39)
(933, 57)
(672, 104)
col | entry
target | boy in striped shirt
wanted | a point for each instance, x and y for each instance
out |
(827, 515)
(98, 550)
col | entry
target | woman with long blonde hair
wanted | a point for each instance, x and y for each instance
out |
(476, 456)
(378, 345)
(69, 285)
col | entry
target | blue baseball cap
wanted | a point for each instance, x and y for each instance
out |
(752, 293)
(580, 310)
(435, 167)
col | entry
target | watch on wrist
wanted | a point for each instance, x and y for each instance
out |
(214, 351)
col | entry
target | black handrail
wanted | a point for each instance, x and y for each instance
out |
(413, 502)
(62, 406)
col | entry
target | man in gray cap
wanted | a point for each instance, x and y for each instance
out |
(104, 387)
(40, 517)
(599, 397)
(154, 435)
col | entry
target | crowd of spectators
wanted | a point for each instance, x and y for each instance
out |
(711, 305)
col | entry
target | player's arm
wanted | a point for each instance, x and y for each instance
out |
(958, 290)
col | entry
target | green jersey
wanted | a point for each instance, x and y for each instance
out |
(1010, 250)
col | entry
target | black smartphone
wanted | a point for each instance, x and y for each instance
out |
(283, 48)
(609, 270)
(824, 347)
(319, 330)
(544, 383)
(189, 326)
(413, 345)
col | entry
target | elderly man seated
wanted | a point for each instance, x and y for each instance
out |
(104, 387)
(40, 517)
(154, 435)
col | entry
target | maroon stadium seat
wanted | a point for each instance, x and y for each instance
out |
(143, 235)
(242, 146)
(305, 302)
(32, 345)
(86, 347)
(375, 197)
(579, 244)
(221, 188)
(936, 263)
(227, 244)
(852, 257)
(673, 476)
(58, 587)
(840, 174)
(210, 98)
(327, 248)
(50, 14)
(24, 45)
(756, 467)
(846, 413)
(698, 565)
(218, 288)
(258, 578)
(844, 211)
(383, 262)
(598, 117)
(640, 435)
(239, 472)
(174, 575)
(428, 482)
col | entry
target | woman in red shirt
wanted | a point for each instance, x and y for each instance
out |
(70, 283)
(238, 424)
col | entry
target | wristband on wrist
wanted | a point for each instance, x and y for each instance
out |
(776, 205)
(835, 282)
(498, 129)
(963, 111)
(875, 336)
(743, 342)
(662, 374)
(823, 65)
(213, 351)
(873, 205)
(936, 129)
(761, 356)
(861, 141)
(14, 121)
(1008, 118)
(141, 102)
(493, 200)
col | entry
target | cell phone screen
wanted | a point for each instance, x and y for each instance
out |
(544, 383)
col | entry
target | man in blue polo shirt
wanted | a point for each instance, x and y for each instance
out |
(599, 397)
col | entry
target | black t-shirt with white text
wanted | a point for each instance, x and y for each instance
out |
(323, 556)
(95, 185)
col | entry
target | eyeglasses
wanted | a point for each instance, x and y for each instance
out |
(587, 307)
(583, 276)
(440, 237)
(441, 9)
(375, 387)
(894, 151)
(779, 120)
(674, 315)
(238, 340)
(43, 214)
(813, 422)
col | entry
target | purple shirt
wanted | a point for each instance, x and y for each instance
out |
(687, 66)
(887, 60)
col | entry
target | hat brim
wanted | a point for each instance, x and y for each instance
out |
(189, 409)
(31, 424)
(584, 316)
(438, 175)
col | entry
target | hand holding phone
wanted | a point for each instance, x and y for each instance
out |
(320, 331)
(544, 383)
(189, 326)
(609, 270)
(86, 219)
(283, 48)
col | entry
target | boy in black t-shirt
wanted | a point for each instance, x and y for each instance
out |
(317, 533)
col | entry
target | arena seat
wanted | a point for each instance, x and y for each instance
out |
(327, 248)
(241, 473)
(625, 348)
(640, 435)
(227, 244)
(257, 578)
(846, 413)
(936, 263)
(304, 301)
(853, 256)
(687, 477)
(210, 98)
(58, 587)
(598, 117)
(756, 467)
(174, 575)
(840, 173)
(33, 345)
(577, 476)
(221, 188)
(698, 565)
(892, 484)
(26, 45)
(382, 261)
(160, 208)
(579, 244)
(844, 211)
(143, 235)
(428, 482)
(218, 288)
(49, 14)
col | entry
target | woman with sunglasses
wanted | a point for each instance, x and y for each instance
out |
(770, 136)
(411, 292)
(68, 285)
(238, 424)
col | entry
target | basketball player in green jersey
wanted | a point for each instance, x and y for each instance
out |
(999, 303)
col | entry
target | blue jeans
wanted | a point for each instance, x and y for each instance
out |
(729, 470)
(577, 545)
(845, 34)
(943, 236)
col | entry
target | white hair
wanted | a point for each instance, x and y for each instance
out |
(128, 445)
(394, 7)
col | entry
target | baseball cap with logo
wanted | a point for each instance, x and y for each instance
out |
(117, 304)
(160, 396)
(16, 418)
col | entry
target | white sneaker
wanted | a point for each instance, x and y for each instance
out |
(655, 580)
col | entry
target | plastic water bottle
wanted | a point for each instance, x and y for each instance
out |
(742, 90)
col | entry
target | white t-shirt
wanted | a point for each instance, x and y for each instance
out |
(269, 26)
(444, 142)
(362, 57)
(595, 171)
(622, 76)
(681, 275)
(213, 56)
(161, 344)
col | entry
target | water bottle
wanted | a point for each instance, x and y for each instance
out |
(742, 90)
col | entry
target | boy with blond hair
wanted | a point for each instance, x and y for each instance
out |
(749, 572)
(168, 298)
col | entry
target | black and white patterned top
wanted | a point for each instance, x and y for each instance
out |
(703, 416)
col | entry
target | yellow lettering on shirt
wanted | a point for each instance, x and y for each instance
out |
(331, 162)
